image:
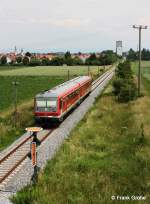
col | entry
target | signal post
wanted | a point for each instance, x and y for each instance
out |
(33, 148)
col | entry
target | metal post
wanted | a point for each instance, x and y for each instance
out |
(104, 64)
(88, 70)
(15, 83)
(140, 27)
(139, 75)
(68, 74)
(35, 142)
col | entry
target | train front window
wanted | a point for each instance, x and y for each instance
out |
(46, 104)
(41, 103)
(51, 103)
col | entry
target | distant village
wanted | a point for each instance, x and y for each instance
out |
(20, 58)
(12, 56)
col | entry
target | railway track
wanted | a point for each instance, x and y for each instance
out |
(11, 161)
(101, 79)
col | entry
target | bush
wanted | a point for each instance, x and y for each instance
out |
(123, 85)
(127, 91)
(46, 62)
(117, 84)
(124, 70)
(57, 61)
(35, 62)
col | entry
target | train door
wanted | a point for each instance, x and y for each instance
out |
(63, 105)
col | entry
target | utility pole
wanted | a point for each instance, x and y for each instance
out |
(88, 70)
(140, 27)
(15, 83)
(98, 71)
(104, 64)
(68, 74)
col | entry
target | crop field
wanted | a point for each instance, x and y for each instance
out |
(49, 70)
(107, 154)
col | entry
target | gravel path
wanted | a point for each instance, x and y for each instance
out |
(49, 147)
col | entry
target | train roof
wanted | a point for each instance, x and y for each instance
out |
(65, 87)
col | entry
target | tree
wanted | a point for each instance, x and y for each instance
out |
(92, 60)
(28, 54)
(67, 55)
(132, 55)
(145, 54)
(77, 61)
(108, 57)
(26, 60)
(19, 59)
(3, 60)
(68, 59)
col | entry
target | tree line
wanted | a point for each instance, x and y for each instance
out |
(105, 58)
(134, 55)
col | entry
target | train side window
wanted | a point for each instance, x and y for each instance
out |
(74, 94)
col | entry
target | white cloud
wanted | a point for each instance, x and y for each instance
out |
(70, 22)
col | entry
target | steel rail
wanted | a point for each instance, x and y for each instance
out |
(23, 158)
(99, 78)
(103, 79)
(15, 149)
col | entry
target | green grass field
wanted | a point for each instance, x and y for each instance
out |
(33, 80)
(48, 71)
(145, 69)
(107, 154)
(27, 88)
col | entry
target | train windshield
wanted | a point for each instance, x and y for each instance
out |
(46, 104)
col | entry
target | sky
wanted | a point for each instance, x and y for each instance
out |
(74, 25)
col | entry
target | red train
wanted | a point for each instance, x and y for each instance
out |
(57, 102)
